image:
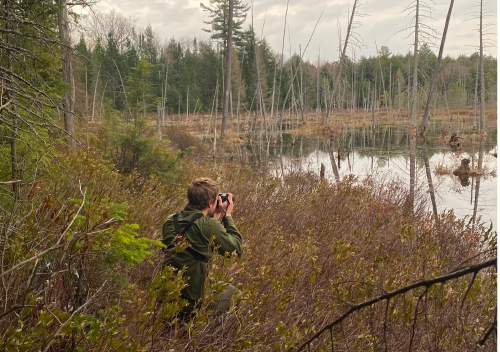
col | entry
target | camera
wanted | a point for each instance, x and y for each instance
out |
(223, 196)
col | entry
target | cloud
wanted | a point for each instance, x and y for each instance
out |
(384, 18)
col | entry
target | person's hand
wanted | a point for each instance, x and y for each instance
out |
(220, 208)
(229, 204)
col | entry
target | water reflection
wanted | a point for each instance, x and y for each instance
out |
(428, 173)
(478, 182)
(392, 153)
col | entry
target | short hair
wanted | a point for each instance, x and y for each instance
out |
(201, 191)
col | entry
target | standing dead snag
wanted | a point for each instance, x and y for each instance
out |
(425, 121)
(227, 77)
(341, 62)
(481, 61)
(414, 94)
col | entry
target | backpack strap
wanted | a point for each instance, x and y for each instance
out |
(176, 222)
(191, 221)
(181, 235)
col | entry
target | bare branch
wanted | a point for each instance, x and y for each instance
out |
(420, 283)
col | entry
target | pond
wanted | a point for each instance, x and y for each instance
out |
(384, 152)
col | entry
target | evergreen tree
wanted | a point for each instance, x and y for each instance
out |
(218, 11)
(140, 89)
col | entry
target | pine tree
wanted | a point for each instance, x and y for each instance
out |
(218, 11)
(140, 88)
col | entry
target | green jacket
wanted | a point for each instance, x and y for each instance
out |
(198, 236)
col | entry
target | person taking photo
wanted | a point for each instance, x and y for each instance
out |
(192, 234)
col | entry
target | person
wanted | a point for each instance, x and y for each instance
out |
(192, 234)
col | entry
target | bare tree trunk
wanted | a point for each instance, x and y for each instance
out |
(446, 101)
(293, 101)
(95, 94)
(481, 121)
(123, 86)
(239, 97)
(478, 182)
(68, 97)
(259, 88)
(339, 69)
(281, 72)
(382, 79)
(414, 100)
(301, 90)
(390, 89)
(158, 121)
(102, 99)
(399, 99)
(230, 104)
(412, 170)
(164, 100)
(187, 105)
(332, 160)
(318, 102)
(429, 178)
(373, 111)
(215, 118)
(413, 119)
(213, 105)
(227, 77)
(273, 118)
(367, 103)
(475, 93)
(408, 90)
(425, 121)
(353, 88)
(481, 61)
(87, 95)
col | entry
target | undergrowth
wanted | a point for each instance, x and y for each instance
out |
(81, 260)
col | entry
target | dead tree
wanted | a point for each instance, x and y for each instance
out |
(425, 120)
(227, 77)
(382, 78)
(421, 32)
(281, 74)
(481, 62)
(318, 103)
(341, 62)
(414, 93)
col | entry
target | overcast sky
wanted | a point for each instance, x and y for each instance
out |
(382, 21)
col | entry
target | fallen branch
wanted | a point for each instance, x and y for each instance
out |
(420, 283)
(10, 182)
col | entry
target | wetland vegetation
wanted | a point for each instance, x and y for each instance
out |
(363, 227)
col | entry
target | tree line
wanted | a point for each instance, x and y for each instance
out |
(135, 74)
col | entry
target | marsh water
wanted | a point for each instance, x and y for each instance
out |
(384, 152)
